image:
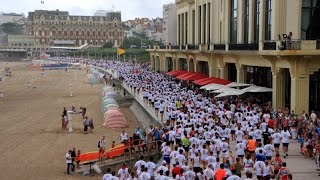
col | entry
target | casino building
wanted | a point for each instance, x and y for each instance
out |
(248, 41)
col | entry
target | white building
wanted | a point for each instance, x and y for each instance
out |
(169, 23)
(100, 13)
(10, 17)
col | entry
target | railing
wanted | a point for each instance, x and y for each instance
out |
(123, 154)
(193, 47)
(318, 44)
(290, 45)
(183, 47)
(162, 47)
(221, 47)
(175, 47)
(270, 45)
(244, 47)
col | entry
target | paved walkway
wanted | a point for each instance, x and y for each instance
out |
(300, 167)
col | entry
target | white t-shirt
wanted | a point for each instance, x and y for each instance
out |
(285, 136)
(190, 175)
(234, 177)
(259, 167)
(276, 138)
(269, 149)
(240, 147)
(139, 164)
(112, 178)
(106, 176)
(68, 158)
(123, 173)
(144, 176)
(208, 173)
(151, 167)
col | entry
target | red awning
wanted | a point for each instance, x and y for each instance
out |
(171, 72)
(213, 80)
(178, 73)
(194, 76)
(201, 80)
(184, 74)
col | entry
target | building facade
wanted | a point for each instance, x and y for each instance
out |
(247, 41)
(47, 26)
(10, 17)
(169, 24)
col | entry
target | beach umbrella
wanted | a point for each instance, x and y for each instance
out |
(115, 119)
(230, 92)
(109, 101)
(111, 106)
(110, 94)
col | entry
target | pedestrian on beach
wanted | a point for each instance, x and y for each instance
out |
(69, 161)
(73, 157)
(86, 124)
(73, 109)
(64, 112)
(101, 147)
(83, 111)
(91, 125)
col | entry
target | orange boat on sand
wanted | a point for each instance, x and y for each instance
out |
(94, 155)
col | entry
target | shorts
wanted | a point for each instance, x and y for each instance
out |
(161, 112)
(225, 154)
(276, 145)
(268, 157)
(233, 131)
(85, 128)
(178, 141)
(248, 170)
(258, 140)
(167, 159)
(285, 144)
(101, 152)
(171, 142)
(186, 148)
(240, 156)
(196, 169)
(157, 109)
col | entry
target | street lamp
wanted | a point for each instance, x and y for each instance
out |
(70, 89)
(69, 113)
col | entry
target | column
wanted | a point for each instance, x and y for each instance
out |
(300, 94)
(213, 70)
(262, 24)
(278, 96)
(223, 72)
(178, 29)
(211, 22)
(185, 29)
(202, 24)
(152, 62)
(226, 33)
(178, 67)
(251, 20)
(240, 23)
(196, 22)
(181, 29)
(240, 73)
(207, 23)
(195, 62)
(174, 64)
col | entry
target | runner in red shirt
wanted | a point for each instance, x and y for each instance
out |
(284, 172)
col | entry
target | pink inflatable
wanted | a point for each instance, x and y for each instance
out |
(115, 119)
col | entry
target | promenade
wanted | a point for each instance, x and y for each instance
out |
(299, 166)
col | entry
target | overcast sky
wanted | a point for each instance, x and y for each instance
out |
(129, 8)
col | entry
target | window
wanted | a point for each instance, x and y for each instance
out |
(233, 21)
(256, 21)
(310, 24)
(268, 20)
(246, 21)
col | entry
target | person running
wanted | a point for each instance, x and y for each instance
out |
(285, 134)
(276, 162)
(283, 171)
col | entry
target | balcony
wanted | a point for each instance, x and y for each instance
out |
(219, 47)
(174, 47)
(270, 45)
(244, 47)
(192, 47)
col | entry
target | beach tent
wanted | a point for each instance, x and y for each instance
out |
(230, 92)
(111, 106)
(92, 79)
(110, 94)
(213, 86)
(115, 119)
(235, 84)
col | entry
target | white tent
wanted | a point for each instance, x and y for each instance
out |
(235, 84)
(260, 89)
(231, 92)
(213, 86)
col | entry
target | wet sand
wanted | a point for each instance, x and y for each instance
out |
(32, 144)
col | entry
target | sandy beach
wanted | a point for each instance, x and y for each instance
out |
(32, 144)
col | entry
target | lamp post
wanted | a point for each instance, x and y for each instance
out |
(69, 113)
(70, 89)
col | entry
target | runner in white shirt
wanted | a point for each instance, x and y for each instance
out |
(239, 135)
(248, 164)
(269, 150)
(190, 175)
(276, 141)
(259, 168)
(123, 172)
(107, 175)
(208, 172)
(140, 163)
(151, 167)
(285, 141)
(240, 147)
(144, 175)
(113, 176)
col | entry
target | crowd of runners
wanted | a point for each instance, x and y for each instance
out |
(208, 138)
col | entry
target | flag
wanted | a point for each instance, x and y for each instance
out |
(120, 51)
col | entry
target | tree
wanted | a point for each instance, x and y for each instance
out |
(11, 28)
(108, 44)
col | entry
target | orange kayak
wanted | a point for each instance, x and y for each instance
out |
(94, 155)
